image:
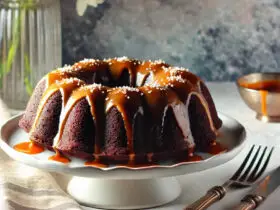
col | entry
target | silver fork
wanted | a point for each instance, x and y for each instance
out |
(250, 175)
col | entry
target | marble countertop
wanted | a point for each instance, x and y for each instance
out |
(194, 185)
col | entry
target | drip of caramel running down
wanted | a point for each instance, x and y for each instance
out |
(195, 158)
(59, 158)
(264, 87)
(216, 148)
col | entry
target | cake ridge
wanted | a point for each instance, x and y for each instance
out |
(64, 86)
(88, 92)
(122, 99)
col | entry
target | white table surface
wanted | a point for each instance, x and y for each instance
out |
(194, 185)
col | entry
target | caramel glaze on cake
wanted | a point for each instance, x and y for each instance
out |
(122, 111)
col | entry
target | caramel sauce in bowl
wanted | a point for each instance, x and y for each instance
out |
(261, 92)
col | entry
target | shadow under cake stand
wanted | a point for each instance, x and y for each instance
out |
(117, 187)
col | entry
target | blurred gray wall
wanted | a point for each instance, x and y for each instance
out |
(217, 39)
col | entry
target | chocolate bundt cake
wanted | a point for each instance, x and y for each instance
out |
(122, 111)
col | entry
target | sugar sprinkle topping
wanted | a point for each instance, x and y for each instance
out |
(92, 87)
(137, 62)
(65, 68)
(176, 68)
(123, 58)
(125, 89)
(173, 70)
(89, 60)
(69, 81)
(156, 86)
(176, 78)
(159, 61)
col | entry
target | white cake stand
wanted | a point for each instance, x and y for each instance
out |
(118, 187)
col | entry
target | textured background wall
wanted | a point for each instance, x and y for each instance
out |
(217, 39)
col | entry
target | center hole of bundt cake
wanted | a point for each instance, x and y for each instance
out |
(124, 79)
(107, 79)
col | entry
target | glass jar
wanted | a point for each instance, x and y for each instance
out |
(30, 46)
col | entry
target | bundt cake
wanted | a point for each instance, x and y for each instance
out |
(122, 110)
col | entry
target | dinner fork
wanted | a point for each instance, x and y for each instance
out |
(253, 171)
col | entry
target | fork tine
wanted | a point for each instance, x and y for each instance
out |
(253, 174)
(264, 166)
(240, 169)
(243, 177)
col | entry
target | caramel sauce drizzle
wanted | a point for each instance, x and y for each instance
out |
(54, 76)
(268, 85)
(159, 100)
(173, 87)
(66, 86)
(263, 87)
(131, 159)
(216, 148)
(142, 72)
(156, 100)
(30, 148)
(184, 88)
(98, 117)
(89, 65)
(195, 158)
(186, 75)
(118, 67)
(58, 157)
(95, 95)
(263, 94)
(128, 103)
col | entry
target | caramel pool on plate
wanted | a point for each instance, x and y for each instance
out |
(29, 148)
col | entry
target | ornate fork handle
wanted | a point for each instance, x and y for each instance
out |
(250, 202)
(213, 195)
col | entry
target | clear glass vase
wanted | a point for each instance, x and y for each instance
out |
(30, 46)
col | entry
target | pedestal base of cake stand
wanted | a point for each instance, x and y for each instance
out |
(123, 194)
